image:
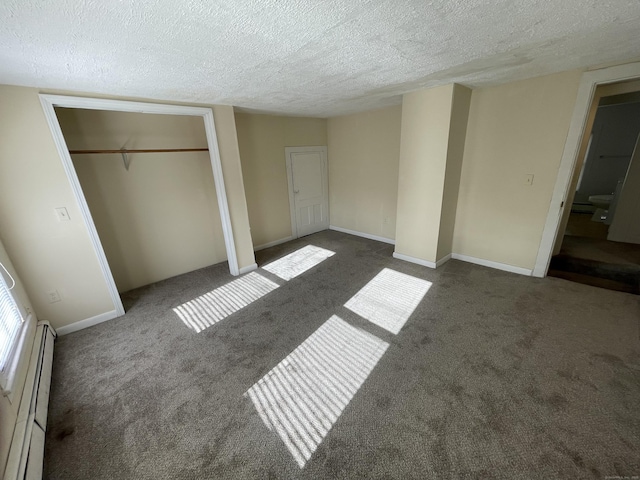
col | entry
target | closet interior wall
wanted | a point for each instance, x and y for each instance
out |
(158, 218)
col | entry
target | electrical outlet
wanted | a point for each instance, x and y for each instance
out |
(54, 296)
(528, 179)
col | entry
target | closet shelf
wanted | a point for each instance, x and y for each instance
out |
(144, 150)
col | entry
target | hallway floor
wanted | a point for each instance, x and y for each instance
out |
(598, 262)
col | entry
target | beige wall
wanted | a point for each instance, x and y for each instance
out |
(426, 119)
(455, 152)
(49, 254)
(9, 408)
(363, 156)
(262, 140)
(514, 129)
(160, 218)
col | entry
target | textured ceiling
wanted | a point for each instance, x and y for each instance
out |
(313, 57)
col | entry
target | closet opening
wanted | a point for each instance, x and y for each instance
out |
(149, 184)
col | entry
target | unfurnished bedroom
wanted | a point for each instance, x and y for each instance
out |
(319, 240)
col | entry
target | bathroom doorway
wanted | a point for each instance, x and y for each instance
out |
(601, 241)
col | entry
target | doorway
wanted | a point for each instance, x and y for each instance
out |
(50, 102)
(598, 241)
(308, 189)
(575, 147)
(600, 245)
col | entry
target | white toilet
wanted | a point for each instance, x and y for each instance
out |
(606, 204)
(601, 201)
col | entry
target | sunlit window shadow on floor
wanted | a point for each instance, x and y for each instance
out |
(389, 299)
(298, 262)
(303, 396)
(210, 308)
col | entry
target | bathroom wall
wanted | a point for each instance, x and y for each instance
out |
(614, 135)
(626, 221)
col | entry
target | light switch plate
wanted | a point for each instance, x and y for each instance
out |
(62, 214)
(528, 179)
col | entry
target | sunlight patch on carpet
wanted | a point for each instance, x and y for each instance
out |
(302, 397)
(298, 262)
(389, 299)
(208, 309)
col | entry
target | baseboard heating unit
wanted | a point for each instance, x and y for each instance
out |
(26, 455)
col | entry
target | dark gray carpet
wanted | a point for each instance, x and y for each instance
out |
(495, 375)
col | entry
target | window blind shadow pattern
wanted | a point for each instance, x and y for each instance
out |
(214, 306)
(298, 262)
(303, 396)
(389, 299)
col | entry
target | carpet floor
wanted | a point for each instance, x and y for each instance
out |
(493, 375)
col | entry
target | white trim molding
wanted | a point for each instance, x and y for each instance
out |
(443, 260)
(588, 84)
(87, 322)
(492, 264)
(363, 235)
(419, 261)
(248, 268)
(273, 244)
(49, 102)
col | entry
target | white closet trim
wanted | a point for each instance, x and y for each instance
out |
(49, 102)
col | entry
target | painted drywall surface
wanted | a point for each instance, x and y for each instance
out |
(9, 408)
(160, 218)
(514, 129)
(234, 183)
(426, 120)
(262, 140)
(626, 221)
(457, 134)
(48, 254)
(363, 153)
(614, 131)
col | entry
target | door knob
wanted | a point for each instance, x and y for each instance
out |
(296, 191)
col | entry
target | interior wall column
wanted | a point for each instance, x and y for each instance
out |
(434, 124)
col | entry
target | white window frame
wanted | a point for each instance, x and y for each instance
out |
(9, 374)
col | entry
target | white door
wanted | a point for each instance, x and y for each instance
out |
(626, 218)
(308, 189)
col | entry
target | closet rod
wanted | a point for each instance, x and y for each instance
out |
(158, 150)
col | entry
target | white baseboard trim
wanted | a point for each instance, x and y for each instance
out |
(491, 264)
(248, 268)
(273, 244)
(362, 234)
(443, 260)
(419, 261)
(86, 323)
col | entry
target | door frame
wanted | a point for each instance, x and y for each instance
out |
(49, 102)
(586, 91)
(292, 207)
